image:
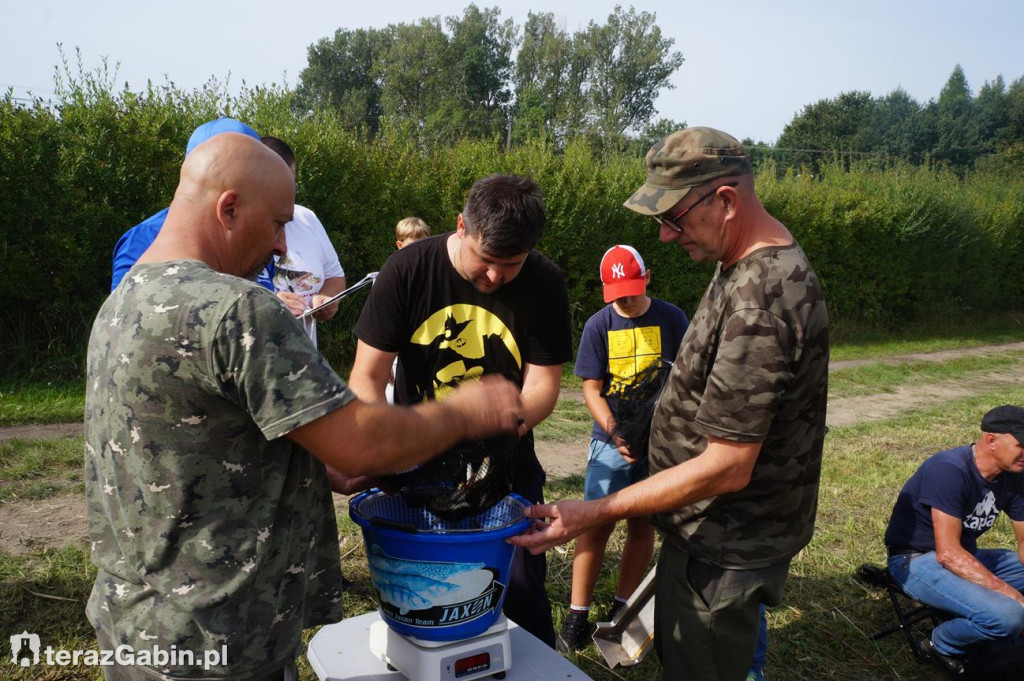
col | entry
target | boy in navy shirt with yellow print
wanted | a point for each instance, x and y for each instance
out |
(632, 333)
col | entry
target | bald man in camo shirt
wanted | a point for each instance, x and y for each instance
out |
(736, 440)
(209, 416)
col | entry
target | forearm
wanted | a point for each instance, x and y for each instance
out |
(369, 387)
(370, 372)
(332, 286)
(723, 467)
(374, 439)
(965, 566)
(540, 392)
(384, 435)
(598, 405)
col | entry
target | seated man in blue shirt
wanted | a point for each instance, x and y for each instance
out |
(136, 240)
(932, 540)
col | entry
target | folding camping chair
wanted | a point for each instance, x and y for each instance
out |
(908, 611)
(1001, 663)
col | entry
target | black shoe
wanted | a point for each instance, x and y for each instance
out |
(952, 666)
(616, 608)
(575, 632)
(872, 575)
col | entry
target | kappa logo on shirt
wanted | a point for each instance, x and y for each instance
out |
(984, 514)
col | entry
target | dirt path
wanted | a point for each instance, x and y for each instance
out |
(25, 526)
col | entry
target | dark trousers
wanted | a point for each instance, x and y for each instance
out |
(707, 618)
(526, 602)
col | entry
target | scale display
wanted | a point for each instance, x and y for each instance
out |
(472, 665)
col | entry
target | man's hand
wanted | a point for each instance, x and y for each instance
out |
(295, 303)
(326, 313)
(343, 484)
(623, 448)
(490, 406)
(565, 520)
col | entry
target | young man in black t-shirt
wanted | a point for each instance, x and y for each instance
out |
(471, 302)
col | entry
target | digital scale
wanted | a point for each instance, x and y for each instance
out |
(485, 655)
(365, 648)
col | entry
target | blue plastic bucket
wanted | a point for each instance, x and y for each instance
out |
(438, 580)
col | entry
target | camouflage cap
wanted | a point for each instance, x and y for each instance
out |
(686, 159)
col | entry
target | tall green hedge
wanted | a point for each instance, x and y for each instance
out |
(890, 245)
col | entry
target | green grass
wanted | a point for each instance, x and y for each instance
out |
(569, 422)
(38, 469)
(34, 403)
(45, 593)
(820, 632)
(883, 377)
(948, 332)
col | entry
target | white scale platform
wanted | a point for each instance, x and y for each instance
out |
(341, 652)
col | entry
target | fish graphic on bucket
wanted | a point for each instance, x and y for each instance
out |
(438, 580)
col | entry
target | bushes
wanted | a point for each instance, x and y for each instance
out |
(890, 245)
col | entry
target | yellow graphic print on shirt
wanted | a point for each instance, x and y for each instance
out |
(630, 351)
(466, 339)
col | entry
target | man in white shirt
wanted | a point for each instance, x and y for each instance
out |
(309, 272)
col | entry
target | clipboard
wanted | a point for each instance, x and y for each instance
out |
(362, 283)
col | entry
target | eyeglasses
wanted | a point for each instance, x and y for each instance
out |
(673, 222)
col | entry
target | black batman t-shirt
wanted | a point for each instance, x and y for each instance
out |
(445, 331)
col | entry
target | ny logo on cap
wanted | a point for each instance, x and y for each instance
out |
(618, 271)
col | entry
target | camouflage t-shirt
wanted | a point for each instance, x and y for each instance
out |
(752, 367)
(209, 528)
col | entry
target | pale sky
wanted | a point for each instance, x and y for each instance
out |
(750, 66)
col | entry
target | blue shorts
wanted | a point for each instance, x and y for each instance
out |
(608, 472)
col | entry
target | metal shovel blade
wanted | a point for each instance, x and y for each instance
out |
(630, 636)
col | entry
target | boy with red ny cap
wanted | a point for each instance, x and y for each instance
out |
(632, 333)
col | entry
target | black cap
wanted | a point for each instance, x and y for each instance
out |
(1005, 419)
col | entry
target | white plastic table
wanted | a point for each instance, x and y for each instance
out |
(341, 652)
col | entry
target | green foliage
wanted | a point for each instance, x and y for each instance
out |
(957, 130)
(455, 78)
(340, 77)
(899, 243)
(892, 243)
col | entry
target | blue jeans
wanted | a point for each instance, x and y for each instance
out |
(761, 651)
(608, 472)
(981, 615)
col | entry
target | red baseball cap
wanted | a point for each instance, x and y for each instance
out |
(622, 273)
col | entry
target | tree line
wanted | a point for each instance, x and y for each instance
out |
(920, 234)
(957, 130)
(477, 76)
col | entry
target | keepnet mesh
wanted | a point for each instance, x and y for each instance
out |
(635, 407)
(507, 512)
(468, 479)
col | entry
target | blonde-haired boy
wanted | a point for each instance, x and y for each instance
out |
(406, 231)
(409, 230)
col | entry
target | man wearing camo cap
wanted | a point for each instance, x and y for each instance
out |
(736, 440)
(209, 417)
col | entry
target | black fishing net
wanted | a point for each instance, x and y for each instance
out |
(466, 480)
(634, 408)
